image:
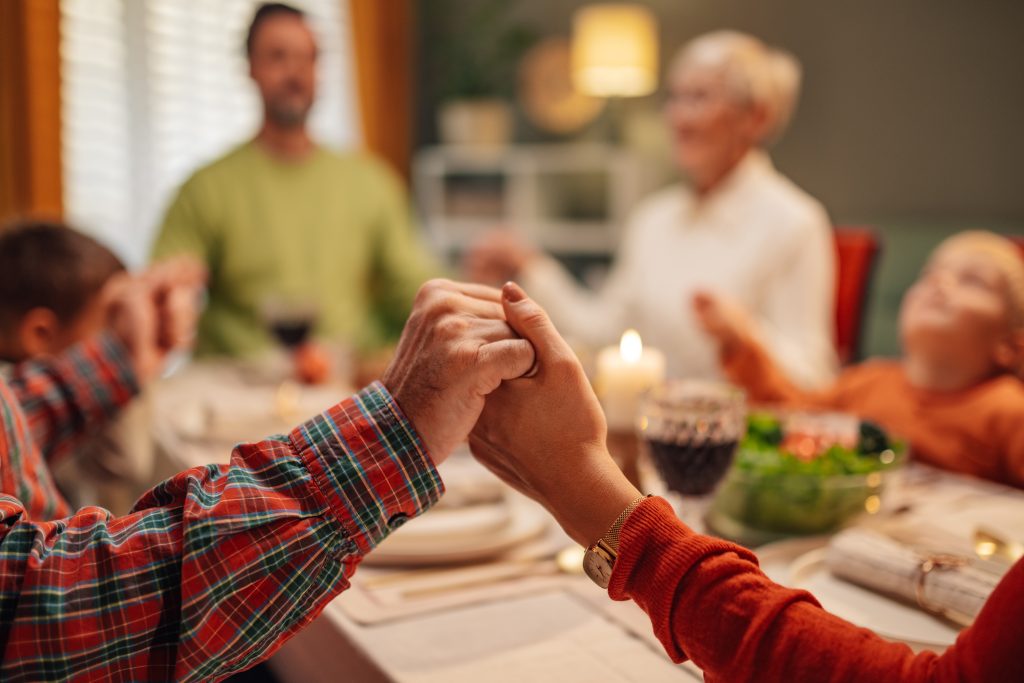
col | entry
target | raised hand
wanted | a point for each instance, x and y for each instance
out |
(725, 320)
(175, 285)
(497, 257)
(154, 312)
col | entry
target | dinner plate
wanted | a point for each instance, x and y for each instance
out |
(800, 563)
(230, 415)
(464, 525)
(477, 537)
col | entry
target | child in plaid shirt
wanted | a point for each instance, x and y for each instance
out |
(55, 291)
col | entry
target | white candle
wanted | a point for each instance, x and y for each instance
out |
(623, 375)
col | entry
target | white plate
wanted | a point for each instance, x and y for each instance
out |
(800, 563)
(525, 521)
(470, 525)
(214, 404)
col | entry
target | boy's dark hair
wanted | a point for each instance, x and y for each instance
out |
(268, 10)
(48, 264)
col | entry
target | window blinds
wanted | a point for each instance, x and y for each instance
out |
(152, 89)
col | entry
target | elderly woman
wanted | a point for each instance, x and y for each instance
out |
(738, 229)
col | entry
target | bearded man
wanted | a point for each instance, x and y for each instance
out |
(282, 219)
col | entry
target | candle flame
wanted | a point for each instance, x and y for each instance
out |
(631, 348)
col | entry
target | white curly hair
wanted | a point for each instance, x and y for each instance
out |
(753, 71)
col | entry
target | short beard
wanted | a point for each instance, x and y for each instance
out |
(287, 117)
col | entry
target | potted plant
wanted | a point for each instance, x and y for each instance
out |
(473, 50)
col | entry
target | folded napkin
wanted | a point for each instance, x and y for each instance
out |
(952, 584)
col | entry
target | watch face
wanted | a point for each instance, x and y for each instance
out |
(598, 567)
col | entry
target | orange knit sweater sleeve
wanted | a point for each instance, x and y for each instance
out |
(709, 602)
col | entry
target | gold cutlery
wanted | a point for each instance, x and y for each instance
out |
(521, 571)
(421, 583)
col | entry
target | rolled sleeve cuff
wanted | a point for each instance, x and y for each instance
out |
(370, 464)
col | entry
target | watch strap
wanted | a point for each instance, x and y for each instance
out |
(611, 537)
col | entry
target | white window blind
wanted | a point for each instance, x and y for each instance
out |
(152, 89)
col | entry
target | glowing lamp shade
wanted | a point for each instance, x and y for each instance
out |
(615, 50)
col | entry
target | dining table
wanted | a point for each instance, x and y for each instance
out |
(523, 612)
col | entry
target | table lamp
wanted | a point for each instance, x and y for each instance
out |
(615, 50)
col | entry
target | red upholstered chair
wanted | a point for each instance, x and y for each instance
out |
(857, 251)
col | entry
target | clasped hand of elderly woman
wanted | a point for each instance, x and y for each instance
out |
(545, 434)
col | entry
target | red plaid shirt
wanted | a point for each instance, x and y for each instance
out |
(216, 567)
(63, 399)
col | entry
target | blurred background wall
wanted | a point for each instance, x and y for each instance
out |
(908, 108)
(910, 118)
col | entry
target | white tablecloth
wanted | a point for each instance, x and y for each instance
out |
(568, 631)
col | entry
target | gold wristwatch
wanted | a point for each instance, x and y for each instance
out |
(600, 557)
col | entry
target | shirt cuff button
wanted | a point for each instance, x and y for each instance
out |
(397, 520)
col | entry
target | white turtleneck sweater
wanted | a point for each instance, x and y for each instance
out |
(756, 238)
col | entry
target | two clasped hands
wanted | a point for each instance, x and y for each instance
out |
(488, 365)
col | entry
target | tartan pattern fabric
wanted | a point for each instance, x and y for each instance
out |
(64, 398)
(215, 568)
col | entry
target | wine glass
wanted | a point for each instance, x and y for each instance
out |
(290, 319)
(691, 430)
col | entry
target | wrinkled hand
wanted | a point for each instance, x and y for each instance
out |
(724, 319)
(456, 349)
(545, 435)
(497, 257)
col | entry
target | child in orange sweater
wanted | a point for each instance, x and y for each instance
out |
(954, 394)
(706, 598)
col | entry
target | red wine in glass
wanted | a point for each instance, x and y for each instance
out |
(290, 320)
(692, 468)
(292, 332)
(691, 429)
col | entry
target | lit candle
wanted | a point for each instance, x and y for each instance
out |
(623, 375)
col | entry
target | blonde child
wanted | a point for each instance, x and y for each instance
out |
(954, 394)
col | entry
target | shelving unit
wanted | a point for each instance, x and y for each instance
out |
(569, 199)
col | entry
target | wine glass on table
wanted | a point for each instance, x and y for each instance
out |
(691, 430)
(290, 319)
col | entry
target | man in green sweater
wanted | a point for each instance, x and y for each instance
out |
(281, 218)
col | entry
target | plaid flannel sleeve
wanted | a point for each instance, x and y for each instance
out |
(216, 567)
(73, 393)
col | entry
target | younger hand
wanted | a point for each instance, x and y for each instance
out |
(131, 316)
(497, 257)
(545, 434)
(175, 285)
(155, 312)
